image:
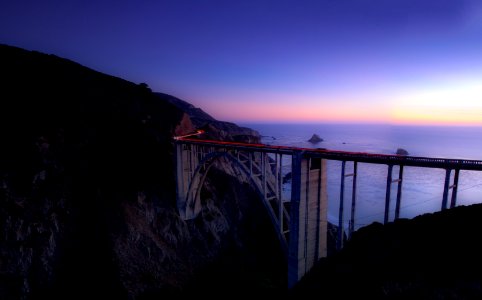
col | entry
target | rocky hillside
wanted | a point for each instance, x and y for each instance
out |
(214, 129)
(87, 197)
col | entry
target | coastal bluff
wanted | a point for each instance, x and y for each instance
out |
(87, 191)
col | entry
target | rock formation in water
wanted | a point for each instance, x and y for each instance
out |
(401, 151)
(315, 139)
(87, 193)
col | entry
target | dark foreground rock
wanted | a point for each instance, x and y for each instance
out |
(87, 193)
(434, 256)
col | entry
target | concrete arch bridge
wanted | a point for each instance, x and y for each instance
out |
(299, 219)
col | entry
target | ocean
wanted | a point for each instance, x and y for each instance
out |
(422, 187)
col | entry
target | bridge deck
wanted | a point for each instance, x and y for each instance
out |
(386, 159)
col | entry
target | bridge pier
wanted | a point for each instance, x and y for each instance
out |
(387, 195)
(187, 158)
(353, 198)
(389, 191)
(308, 216)
(453, 202)
(446, 188)
(399, 192)
(339, 240)
(453, 187)
(182, 179)
(341, 213)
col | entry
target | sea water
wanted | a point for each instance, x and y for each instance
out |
(422, 187)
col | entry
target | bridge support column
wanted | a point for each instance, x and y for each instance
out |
(446, 189)
(339, 240)
(308, 216)
(186, 161)
(182, 179)
(353, 199)
(399, 192)
(455, 186)
(387, 195)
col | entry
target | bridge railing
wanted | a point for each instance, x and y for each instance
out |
(386, 159)
(449, 165)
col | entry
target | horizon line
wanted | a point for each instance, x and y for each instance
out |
(355, 123)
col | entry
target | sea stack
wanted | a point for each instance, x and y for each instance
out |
(315, 139)
(401, 151)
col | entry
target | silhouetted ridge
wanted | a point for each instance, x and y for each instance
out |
(215, 130)
(197, 115)
(87, 193)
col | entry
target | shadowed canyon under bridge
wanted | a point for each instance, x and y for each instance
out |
(300, 220)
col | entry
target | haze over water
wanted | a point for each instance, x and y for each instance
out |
(422, 187)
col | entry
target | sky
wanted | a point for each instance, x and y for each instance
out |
(356, 61)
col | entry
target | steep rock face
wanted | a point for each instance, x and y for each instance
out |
(31, 228)
(76, 146)
(185, 126)
(214, 129)
(87, 198)
(230, 132)
(231, 244)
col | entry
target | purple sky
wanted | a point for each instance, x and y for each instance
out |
(395, 61)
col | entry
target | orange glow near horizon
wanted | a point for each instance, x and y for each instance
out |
(458, 103)
(408, 115)
(267, 112)
(271, 107)
(437, 119)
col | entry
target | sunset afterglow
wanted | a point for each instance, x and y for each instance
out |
(455, 103)
(400, 61)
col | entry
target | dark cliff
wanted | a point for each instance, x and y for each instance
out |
(87, 198)
(215, 130)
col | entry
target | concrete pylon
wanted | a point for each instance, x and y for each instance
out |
(186, 184)
(308, 216)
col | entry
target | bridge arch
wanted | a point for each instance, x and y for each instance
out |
(193, 196)
(300, 223)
